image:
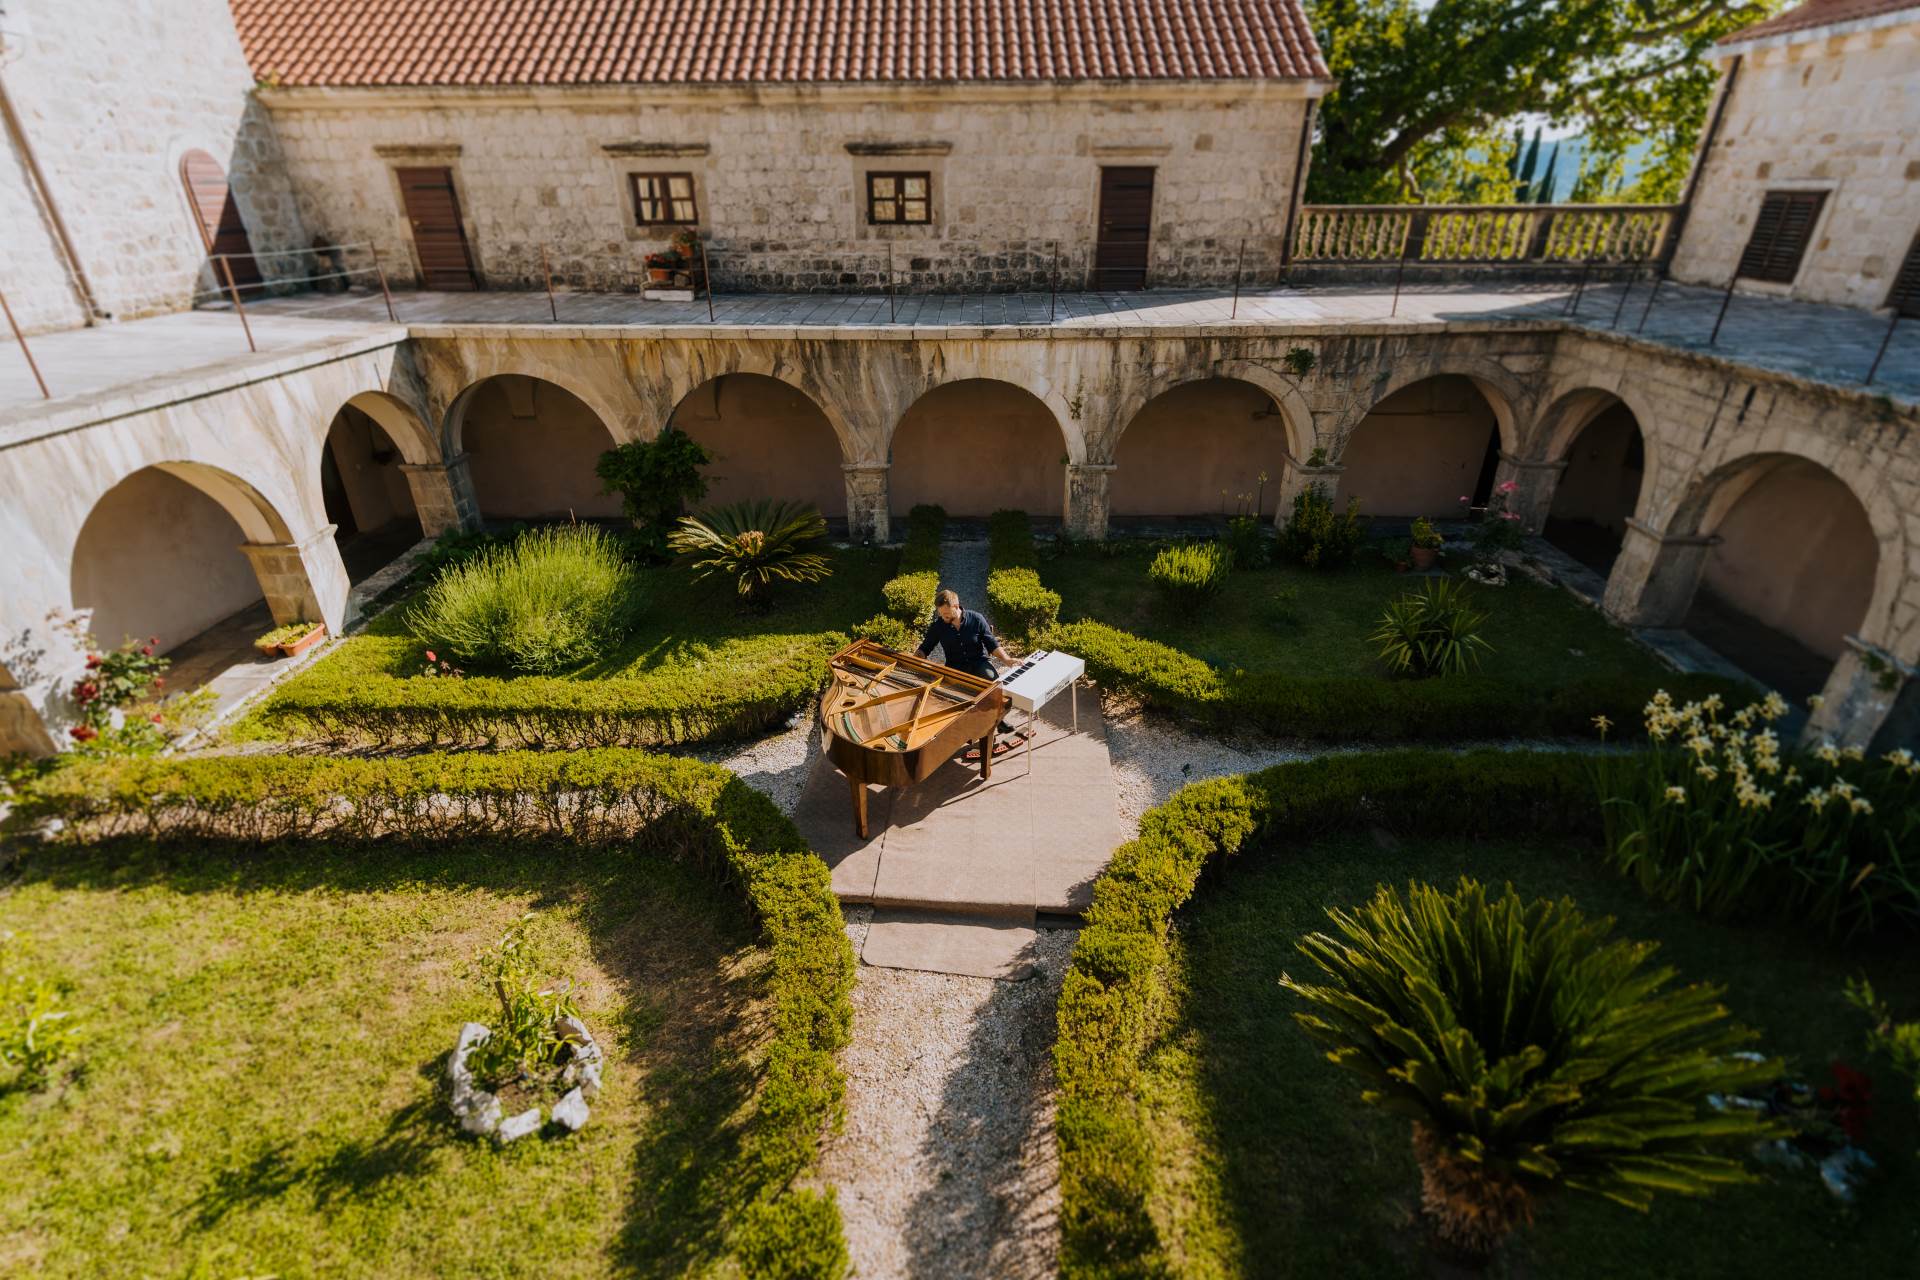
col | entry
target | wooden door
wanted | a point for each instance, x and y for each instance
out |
(217, 217)
(1126, 221)
(439, 241)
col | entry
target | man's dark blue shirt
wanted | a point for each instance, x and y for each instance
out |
(967, 645)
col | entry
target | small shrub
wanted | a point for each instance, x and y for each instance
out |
(544, 602)
(1520, 1038)
(888, 629)
(1022, 606)
(1319, 537)
(757, 544)
(36, 1030)
(793, 1236)
(1900, 1041)
(1191, 573)
(115, 680)
(1432, 632)
(1247, 540)
(521, 1038)
(909, 595)
(655, 479)
(1715, 815)
(1425, 535)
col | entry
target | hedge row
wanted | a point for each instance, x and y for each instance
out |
(616, 798)
(1020, 603)
(664, 706)
(1350, 708)
(909, 594)
(1117, 978)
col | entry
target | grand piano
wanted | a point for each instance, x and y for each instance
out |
(892, 718)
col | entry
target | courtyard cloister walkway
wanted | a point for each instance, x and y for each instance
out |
(1832, 345)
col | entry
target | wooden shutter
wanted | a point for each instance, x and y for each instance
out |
(1905, 297)
(1780, 235)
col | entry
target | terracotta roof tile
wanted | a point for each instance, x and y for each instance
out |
(1818, 13)
(561, 42)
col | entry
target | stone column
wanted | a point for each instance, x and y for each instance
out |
(1654, 579)
(443, 495)
(1295, 479)
(1534, 481)
(1086, 499)
(1866, 688)
(867, 497)
(303, 581)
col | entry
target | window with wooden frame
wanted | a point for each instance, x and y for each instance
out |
(664, 199)
(1780, 235)
(1905, 297)
(899, 198)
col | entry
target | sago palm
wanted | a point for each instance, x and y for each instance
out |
(756, 544)
(1530, 1052)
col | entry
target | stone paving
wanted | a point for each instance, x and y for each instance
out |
(1828, 344)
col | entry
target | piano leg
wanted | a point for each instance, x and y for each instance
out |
(859, 807)
(986, 756)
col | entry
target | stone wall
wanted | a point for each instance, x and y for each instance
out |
(1838, 111)
(779, 175)
(110, 95)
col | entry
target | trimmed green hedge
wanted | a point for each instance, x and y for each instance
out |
(1117, 977)
(670, 705)
(1350, 708)
(909, 595)
(616, 798)
(1020, 603)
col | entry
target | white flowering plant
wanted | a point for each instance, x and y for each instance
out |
(1717, 814)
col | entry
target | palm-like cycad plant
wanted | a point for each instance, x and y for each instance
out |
(1530, 1052)
(756, 544)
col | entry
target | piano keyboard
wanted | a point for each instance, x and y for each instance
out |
(1041, 677)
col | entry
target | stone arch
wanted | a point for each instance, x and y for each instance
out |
(174, 547)
(1462, 431)
(1504, 392)
(976, 445)
(669, 378)
(768, 438)
(530, 445)
(614, 418)
(1791, 539)
(1604, 455)
(405, 425)
(1199, 438)
(362, 462)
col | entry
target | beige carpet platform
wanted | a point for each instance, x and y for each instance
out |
(995, 854)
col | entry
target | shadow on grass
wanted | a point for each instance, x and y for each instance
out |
(676, 943)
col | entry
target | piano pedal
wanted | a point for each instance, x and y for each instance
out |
(1002, 743)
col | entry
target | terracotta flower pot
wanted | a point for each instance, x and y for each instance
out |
(304, 643)
(659, 275)
(1423, 557)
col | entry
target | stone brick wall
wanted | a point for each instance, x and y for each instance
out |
(1838, 112)
(110, 94)
(780, 177)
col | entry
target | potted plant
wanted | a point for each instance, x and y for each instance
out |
(661, 266)
(1426, 543)
(291, 640)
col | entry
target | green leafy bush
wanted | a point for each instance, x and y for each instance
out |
(1434, 631)
(629, 803)
(1425, 535)
(1319, 537)
(655, 479)
(1900, 1041)
(521, 1038)
(1190, 573)
(1247, 540)
(888, 630)
(757, 544)
(1716, 815)
(793, 1236)
(544, 602)
(909, 595)
(1021, 605)
(37, 1030)
(1532, 1053)
(1117, 974)
(457, 546)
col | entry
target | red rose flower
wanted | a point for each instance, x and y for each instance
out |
(430, 657)
(158, 681)
(84, 733)
(93, 660)
(158, 718)
(147, 650)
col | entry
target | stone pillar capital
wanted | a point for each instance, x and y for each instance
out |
(440, 467)
(1092, 468)
(1666, 539)
(1533, 464)
(853, 467)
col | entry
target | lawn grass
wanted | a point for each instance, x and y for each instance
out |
(1297, 622)
(694, 637)
(261, 1088)
(1268, 1164)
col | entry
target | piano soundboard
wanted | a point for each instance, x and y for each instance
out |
(1041, 677)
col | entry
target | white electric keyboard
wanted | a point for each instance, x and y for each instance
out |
(1040, 678)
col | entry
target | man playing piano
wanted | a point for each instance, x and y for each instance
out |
(967, 641)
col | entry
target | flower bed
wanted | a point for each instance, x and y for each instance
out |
(624, 803)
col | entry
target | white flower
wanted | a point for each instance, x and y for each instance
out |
(1860, 805)
(1853, 753)
(1828, 752)
(1816, 700)
(1708, 772)
(1816, 798)
(1676, 794)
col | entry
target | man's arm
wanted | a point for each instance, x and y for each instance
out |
(991, 642)
(932, 638)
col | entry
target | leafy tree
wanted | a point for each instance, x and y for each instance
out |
(1426, 88)
(655, 479)
(1531, 1052)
